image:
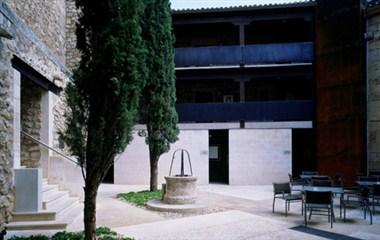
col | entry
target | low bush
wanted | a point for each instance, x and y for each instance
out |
(140, 198)
(102, 233)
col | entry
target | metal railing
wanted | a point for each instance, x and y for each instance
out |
(48, 147)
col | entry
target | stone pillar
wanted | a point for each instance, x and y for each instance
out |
(16, 119)
(46, 131)
(373, 89)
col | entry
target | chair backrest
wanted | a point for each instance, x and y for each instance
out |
(315, 197)
(321, 183)
(376, 190)
(290, 177)
(367, 179)
(309, 173)
(320, 178)
(279, 188)
(374, 173)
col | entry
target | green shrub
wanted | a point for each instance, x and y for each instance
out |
(104, 230)
(68, 236)
(102, 233)
(140, 198)
(36, 237)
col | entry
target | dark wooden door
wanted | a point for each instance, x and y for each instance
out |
(218, 156)
(340, 88)
(303, 151)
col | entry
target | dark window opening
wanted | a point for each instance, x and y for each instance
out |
(207, 91)
(279, 31)
(201, 35)
(278, 89)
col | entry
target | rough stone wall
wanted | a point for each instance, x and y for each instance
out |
(6, 135)
(46, 18)
(41, 46)
(30, 123)
(72, 53)
(373, 89)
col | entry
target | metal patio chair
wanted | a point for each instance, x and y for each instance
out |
(283, 191)
(375, 195)
(361, 200)
(321, 183)
(319, 203)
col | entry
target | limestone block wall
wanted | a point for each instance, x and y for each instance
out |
(72, 53)
(46, 18)
(31, 121)
(132, 167)
(6, 134)
(259, 156)
(373, 88)
(38, 31)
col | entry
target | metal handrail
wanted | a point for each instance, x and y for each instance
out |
(48, 147)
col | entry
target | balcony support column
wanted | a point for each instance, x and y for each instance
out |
(241, 25)
(242, 82)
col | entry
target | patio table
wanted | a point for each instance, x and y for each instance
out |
(367, 183)
(310, 176)
(336, 190)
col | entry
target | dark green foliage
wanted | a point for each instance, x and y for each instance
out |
(159, 94)
(102, 233)
(140, 198)
(105, 230)
(36, 237)
(68, 236)
(104, 95)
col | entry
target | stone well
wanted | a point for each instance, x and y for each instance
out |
(180, 190)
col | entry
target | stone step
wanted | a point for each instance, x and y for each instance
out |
(63, 204)
(36, 225)
(34, 216)
(50, 198)
(71, 213)
(48, 188)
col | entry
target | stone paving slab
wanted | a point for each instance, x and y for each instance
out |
(219, 226)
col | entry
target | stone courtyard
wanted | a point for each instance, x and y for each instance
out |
(235, 212)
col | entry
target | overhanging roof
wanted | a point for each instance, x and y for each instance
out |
(200, 6)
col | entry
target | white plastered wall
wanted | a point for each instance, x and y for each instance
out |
(259, 156)
(132, 166)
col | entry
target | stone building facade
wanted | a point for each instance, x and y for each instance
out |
(37, 53)
(373, 86)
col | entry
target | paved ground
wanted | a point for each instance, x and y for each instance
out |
(247, 214)
(236, 212)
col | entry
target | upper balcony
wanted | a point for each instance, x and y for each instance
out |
(271, 111)
(256, 54)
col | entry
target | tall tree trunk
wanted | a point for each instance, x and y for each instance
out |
(90, 193)
(153, 169)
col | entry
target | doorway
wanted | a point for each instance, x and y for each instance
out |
(303, 157)
(218, 156)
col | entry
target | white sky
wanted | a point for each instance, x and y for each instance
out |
(181, 4)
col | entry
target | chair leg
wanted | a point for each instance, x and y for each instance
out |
(344, 213)
(286, 208)
(305, 217)
(302, 208)
(331, 211)
(365, 212)
(328, 215)
(373, 206)
(311, 211)
(274, 200)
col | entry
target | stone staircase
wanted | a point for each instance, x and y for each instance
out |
(59, 210)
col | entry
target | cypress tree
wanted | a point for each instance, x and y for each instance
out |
(104, 95)
(159, 95)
